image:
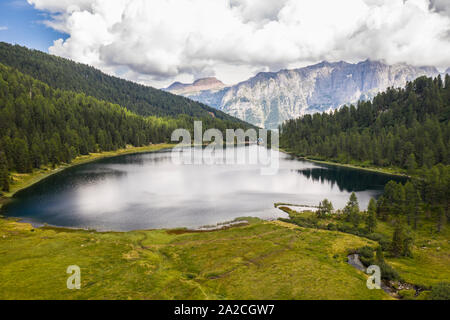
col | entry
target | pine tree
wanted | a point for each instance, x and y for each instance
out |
(379, 256)
(398, 240)
(411, 164)
(351, 210)
(325, 208)
(401, 241)
(4, 175)
(371, 221)
(441, 219)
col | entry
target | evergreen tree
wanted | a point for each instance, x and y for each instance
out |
(351, 210)
(398, 240)
(411, 164)
(441, 219)
(401, 241)
(371, 221)
(4, 175)
(325, 208)
(379, 256)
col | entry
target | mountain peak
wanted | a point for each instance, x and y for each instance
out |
(209, 81)
(202, 84)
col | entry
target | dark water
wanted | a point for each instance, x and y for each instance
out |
(147, 191)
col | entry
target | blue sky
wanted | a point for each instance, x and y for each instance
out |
(20, 23)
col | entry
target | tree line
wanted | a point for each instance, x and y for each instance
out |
(64, 74)
(405, 127)
(426, 197)
(40, 125)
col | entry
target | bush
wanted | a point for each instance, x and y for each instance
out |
(409, 294)
(366, 255)
(331, 227)
(382, 239)
(441, 291)
(387, 272)
(424, 295)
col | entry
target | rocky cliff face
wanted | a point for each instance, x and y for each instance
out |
(269, 98)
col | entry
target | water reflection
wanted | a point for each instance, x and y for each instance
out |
(350, 180)
(146, 191)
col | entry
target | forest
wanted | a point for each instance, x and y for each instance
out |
(40, 125)
(405, 127)
(64, 74)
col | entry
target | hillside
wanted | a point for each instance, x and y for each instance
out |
(41, 126)
(68, 75)
(406, 128)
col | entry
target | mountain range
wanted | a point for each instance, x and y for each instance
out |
(269, 98)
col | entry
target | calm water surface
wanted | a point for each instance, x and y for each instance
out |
(147, 191)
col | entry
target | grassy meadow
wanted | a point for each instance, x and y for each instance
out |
(430, 260)
(260, 260)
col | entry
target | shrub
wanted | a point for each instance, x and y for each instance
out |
(366, 255)
(332, 227)
(409, 294)
(382, 239)
(387, 272)
(441, 291)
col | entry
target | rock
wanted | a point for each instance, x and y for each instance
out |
(269, 98)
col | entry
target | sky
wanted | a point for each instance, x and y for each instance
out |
(21, 23)
(159, 42)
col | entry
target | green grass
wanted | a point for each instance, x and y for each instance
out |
(261, 260)
(430, 261)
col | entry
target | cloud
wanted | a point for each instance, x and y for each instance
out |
(3, 28)
(160, 41)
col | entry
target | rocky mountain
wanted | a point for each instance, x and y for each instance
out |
(187, 89)
(269, 98)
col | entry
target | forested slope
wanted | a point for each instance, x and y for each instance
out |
(68, 75)
(406, 127)
(40, 125)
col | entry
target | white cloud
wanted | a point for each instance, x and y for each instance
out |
(157, 42)
(3, 28)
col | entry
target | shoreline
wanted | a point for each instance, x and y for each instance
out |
(37, 175)
(42, 173)
(347, 165)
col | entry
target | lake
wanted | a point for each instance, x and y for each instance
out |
(149, 191)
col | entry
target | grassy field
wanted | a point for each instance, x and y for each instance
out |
(430, 261)
(261, 260)
(23, 180)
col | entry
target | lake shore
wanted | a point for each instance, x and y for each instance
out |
(386, 171)
(24, 180)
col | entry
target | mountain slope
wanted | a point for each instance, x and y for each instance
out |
(269, 98)
(404, 128)
(68, 75)
(40, 125)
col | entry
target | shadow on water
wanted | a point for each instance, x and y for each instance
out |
(349, 179)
